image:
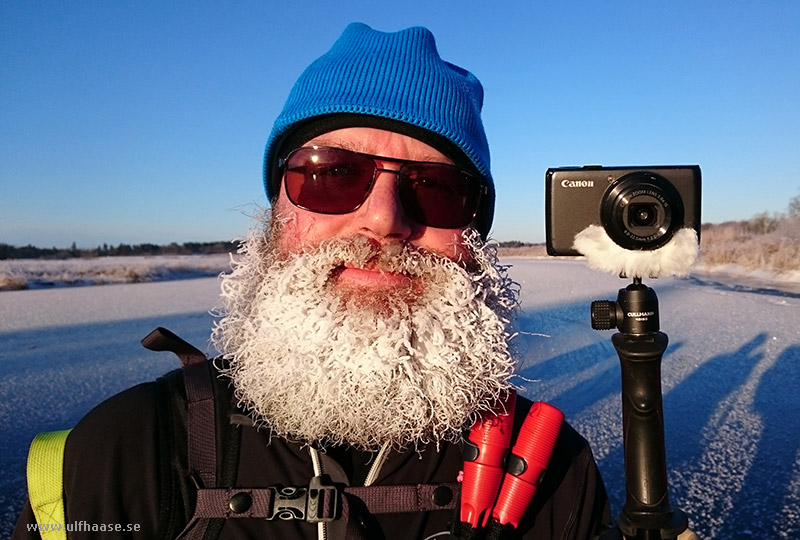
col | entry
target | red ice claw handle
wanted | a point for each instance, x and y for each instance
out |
(527, 463)
(484, 462)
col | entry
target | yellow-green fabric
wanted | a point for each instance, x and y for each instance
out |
(46, 483)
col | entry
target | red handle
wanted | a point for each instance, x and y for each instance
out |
(491, 437)
(530, 456)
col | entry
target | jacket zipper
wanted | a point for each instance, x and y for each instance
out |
(322, 527)
(372, 475)
(377, 465)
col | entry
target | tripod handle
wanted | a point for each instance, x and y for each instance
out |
(640, 346)
(643, 421)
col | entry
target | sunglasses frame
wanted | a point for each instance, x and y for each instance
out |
(482, 190)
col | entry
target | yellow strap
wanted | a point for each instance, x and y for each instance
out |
(46, 483)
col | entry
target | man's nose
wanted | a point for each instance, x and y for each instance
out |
(382, 216)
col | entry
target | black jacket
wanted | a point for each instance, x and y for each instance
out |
(126, 462)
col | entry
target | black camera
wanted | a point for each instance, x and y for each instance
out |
(640, 208)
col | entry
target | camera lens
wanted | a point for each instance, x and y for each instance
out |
(641, 211)
(643, 214)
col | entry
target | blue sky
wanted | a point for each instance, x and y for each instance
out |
(145, 121)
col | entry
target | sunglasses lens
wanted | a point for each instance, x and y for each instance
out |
(439, 195)
(328, 180)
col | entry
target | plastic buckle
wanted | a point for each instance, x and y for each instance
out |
(318, 502)
(323, 501)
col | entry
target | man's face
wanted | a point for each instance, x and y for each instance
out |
(366, 328)
(380, 219)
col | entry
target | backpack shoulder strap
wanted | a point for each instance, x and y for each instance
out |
(46, 483)
(200, 397)
(202, 425)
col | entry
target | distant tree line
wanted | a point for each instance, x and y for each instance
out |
(188, 248)
(515, 244)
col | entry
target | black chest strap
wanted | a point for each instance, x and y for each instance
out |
(319, 502)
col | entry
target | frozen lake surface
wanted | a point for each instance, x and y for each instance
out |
(730, 379)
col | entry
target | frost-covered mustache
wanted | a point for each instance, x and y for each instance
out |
(362, 252)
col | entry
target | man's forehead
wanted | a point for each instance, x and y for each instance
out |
(379, 142)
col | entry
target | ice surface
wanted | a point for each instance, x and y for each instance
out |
(730, 379)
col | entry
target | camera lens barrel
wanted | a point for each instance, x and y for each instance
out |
(641, 211)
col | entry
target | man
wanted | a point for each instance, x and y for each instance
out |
(363, 329)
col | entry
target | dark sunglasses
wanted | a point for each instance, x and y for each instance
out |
(338, 181)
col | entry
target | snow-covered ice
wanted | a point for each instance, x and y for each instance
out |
(730, 379)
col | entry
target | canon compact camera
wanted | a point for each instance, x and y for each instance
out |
(640, 208)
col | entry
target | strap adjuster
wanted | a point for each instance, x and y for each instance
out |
(318, 502)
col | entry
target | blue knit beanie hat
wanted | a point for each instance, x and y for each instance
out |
(395, 81)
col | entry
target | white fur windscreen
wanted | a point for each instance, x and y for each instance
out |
(675, 258)
(318, 365)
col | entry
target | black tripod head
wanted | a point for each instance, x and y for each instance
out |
(634, 312)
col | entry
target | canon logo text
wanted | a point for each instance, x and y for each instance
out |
(577, 183)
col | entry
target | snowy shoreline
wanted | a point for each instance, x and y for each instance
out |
(32, 274)
(24, 274)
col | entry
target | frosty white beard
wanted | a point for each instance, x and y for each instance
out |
(317, 365)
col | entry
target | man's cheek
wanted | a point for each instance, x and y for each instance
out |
(294, 233)
(454, 248)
